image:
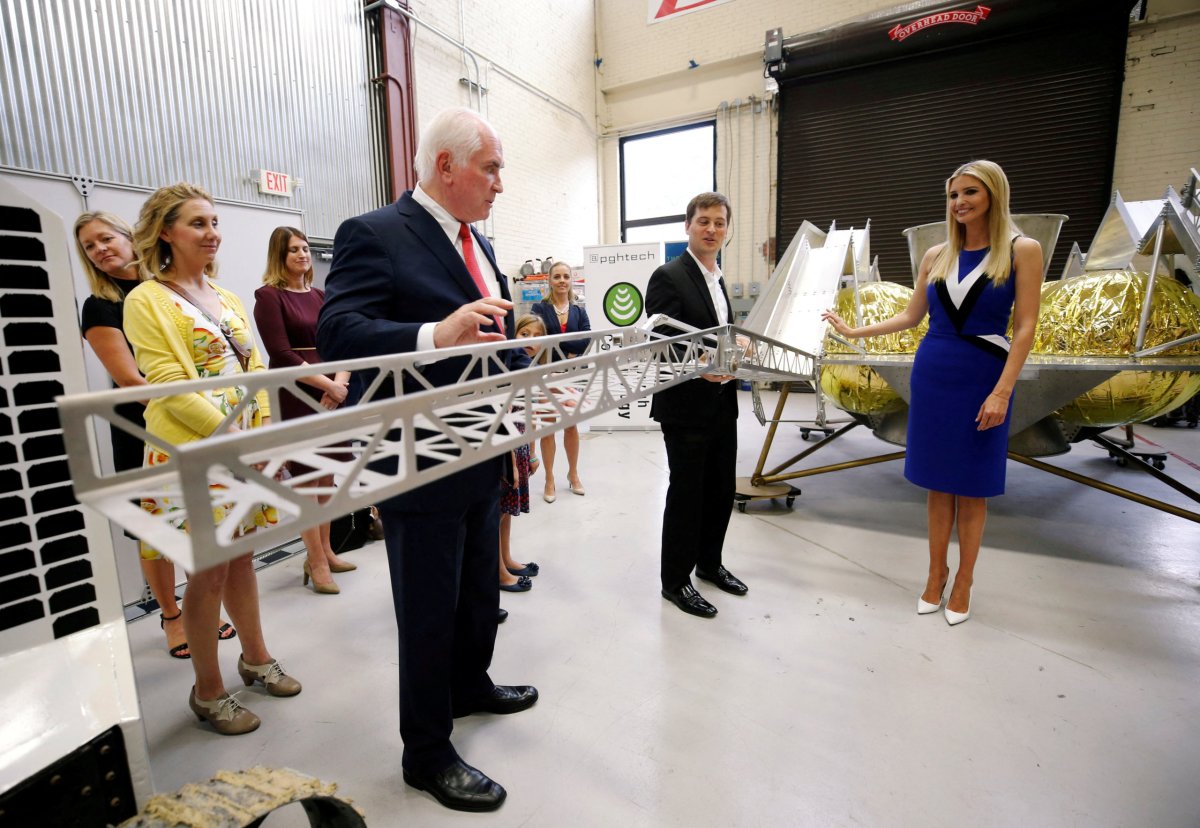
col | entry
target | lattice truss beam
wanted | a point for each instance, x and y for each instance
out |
(231, 477)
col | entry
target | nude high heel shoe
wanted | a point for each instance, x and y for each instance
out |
(323, 589)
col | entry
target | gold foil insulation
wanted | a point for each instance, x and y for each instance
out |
(857, 388)
(1098, 315)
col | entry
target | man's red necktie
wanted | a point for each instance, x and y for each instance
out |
(468, 250)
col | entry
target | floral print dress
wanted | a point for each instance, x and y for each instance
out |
(213, 357)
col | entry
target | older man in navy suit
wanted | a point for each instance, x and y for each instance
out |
(413, 276)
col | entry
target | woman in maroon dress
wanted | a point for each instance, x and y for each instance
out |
(285, 310)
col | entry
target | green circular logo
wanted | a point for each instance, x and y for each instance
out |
(623, 304)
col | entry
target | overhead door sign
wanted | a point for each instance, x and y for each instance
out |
(660, 10)
(971, 18)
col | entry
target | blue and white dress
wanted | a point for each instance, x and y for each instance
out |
(956, 367)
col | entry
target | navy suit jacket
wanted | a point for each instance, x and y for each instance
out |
(678, 289)
(393, 270)
(577, 320)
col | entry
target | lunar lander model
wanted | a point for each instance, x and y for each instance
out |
(1118, 341)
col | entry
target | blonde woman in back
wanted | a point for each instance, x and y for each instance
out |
(561, 312)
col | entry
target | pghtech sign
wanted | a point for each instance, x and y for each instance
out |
(616, 276)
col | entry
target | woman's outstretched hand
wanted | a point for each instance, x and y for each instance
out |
(837, 323)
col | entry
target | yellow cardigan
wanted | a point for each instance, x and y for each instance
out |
(162, 344)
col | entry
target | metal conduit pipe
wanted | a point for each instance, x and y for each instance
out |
(752, 276)
(436, 31)
(476, 57)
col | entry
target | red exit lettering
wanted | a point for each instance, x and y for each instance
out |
(275, 183)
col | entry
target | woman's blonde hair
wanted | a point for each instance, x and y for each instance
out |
(530, 320)
(101, 283)
(161, 211)
(573, 297)
(277, 253)
(1001, 230)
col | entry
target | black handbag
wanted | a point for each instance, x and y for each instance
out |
(350, 531)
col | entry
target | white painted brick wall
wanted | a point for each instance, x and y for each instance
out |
(633, 51)
(549, 205)
(1158, 135)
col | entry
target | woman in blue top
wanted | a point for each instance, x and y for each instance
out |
(561, 313)
(965, 368)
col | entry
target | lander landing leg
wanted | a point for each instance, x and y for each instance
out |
(747, 491)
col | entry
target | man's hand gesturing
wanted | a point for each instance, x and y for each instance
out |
(463, 326)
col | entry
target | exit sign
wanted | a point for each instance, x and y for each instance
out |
(275, 183)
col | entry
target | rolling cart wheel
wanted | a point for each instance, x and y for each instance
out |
(804, 432)
(741, 506)
(790, 501)
(1160, 464)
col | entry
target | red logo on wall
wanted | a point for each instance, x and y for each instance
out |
(971, 18)
(669, 8)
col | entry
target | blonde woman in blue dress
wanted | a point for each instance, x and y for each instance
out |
(965, 369)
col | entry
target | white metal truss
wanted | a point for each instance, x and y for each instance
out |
(234, 476)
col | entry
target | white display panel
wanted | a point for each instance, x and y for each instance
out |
(63, 646)
(241, 262)
(616, 276)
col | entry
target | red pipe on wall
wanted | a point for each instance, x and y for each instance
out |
(400, 103)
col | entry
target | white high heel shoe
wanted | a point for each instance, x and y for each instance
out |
(953, 618)
(926, 608)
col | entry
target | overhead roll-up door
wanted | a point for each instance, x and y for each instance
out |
(1039, 95)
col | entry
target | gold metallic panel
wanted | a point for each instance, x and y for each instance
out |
(1097, 315)
(857, 388)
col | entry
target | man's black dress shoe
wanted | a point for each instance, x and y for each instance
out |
(502, 616)
(690, 601)
(725, 581)
(503, 699)
(460, 787)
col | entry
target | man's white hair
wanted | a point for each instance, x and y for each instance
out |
(455, 130)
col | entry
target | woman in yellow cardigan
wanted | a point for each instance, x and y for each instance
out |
(182, 326)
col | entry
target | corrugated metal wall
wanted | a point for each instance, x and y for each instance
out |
(147, 92)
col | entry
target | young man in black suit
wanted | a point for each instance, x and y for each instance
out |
(396, 272)
(698, 417)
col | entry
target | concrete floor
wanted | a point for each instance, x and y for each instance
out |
(821, 698)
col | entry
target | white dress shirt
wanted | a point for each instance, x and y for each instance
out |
(713, 279)
(450, 226)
